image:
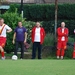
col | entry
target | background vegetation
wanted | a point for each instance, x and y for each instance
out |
(45, 13)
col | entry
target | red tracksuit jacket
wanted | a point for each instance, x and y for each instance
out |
(42, 34)
(60, 34)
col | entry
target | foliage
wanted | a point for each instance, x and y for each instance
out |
(11, 19)
(49, 40)
(37, 12)
(28, 25)
(12, 8)
(48, 26)
(46, 12)
(66, 11)
(70, 48)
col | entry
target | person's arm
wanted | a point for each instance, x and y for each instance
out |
(14, 36)
(67, 32)
(25, 37)
(8, 31)
(59, 32)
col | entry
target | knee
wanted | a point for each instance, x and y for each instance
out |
(65, 47)
(1, 49)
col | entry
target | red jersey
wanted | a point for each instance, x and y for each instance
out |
(62, 35)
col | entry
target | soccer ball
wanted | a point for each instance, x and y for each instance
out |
(14, 57)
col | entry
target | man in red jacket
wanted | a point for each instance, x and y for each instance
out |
(37, 36)
(62, 38)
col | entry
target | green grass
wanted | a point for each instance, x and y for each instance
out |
(37, 67)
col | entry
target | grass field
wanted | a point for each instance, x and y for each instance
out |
(37, 67)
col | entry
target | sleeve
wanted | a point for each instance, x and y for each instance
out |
(59, 33)
(67, 31)
(44, 32)
(25, 30)
(32, 34)
(7, 27)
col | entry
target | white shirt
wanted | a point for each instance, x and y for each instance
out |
(6, 27)
(62, 30)
(37, 35)
(63, 38)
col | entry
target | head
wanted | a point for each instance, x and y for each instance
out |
(1, 21)
(37, 24)
(20, 24)
(62, 24)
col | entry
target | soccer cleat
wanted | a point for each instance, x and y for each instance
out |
(61, 57)
(3, 58)
(57, 57)
(21, 59)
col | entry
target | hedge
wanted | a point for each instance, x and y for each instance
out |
(46, 12)
(11, 19)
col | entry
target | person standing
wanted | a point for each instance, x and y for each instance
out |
(3, 30)
(62, 39)
(37, 36)
(19, 38)
(74, 48)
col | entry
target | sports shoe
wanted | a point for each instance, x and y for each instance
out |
(57, 57)
(61, 57)
(3, 58)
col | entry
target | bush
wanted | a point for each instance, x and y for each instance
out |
(11, 19)
(28, 25)
(46, 12)
(70, 48)
(49, 40)
(48, 46)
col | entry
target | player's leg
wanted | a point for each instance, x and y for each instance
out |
(2, 52)
(34, 50)
(16, 47)
(58, 49)
(2, 45)
(39, 50)
(64, 46)
(74, 51)
(22, 50)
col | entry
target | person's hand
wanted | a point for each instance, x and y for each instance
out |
(13, 42)
(24, 41)
(8, 31)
